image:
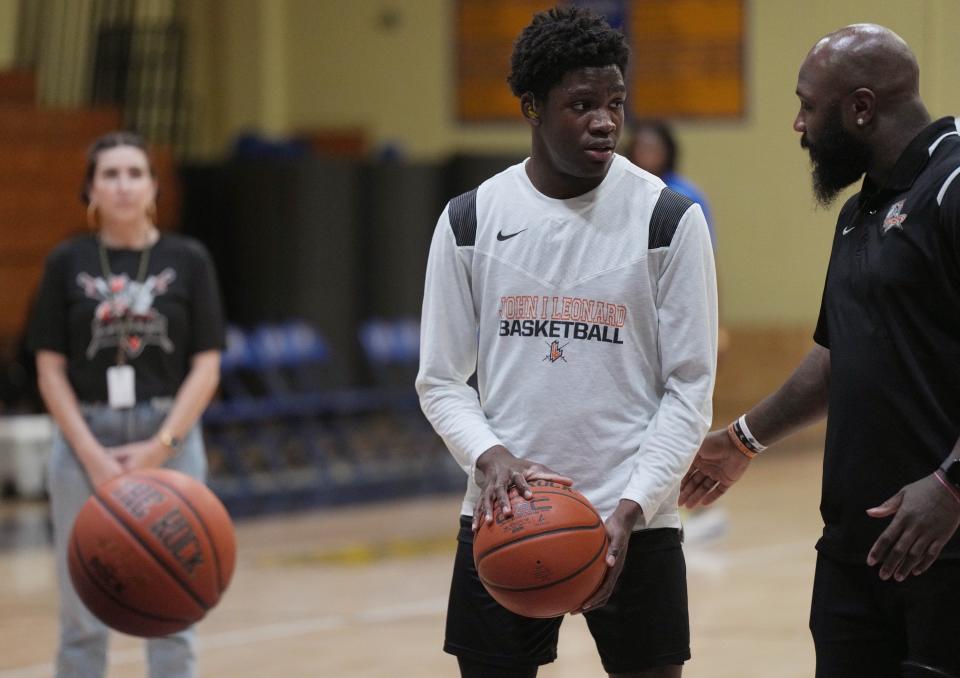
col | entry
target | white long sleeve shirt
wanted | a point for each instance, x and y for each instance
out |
(592, 332)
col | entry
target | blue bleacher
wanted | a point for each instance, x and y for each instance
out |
(280, 437)
(392, 350)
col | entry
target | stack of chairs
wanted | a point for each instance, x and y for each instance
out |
(392, 351)
(399, 430)
(255, 429)
(281, 437)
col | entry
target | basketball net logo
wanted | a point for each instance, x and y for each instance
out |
(556, 352)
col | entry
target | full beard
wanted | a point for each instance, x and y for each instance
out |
(838, 159)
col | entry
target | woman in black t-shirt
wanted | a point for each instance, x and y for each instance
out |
(128, 330)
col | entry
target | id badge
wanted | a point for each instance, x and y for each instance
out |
(121, 389)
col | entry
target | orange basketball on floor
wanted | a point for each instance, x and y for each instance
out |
(546, 558)
(151, 552)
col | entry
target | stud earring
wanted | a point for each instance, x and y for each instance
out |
(860, 121)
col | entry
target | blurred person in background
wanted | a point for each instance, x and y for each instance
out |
(127, 330)
(614, 396)
(653, 146)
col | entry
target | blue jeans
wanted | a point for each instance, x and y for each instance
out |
(83, 638)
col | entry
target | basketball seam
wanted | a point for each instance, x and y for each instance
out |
(206, 531)
(114, 598)
(160, 561)
(554, 582)
(578, 528)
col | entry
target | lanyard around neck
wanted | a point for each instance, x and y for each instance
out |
(141, 269)
(141, 276)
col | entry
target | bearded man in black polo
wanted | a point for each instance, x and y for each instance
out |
(885, 369)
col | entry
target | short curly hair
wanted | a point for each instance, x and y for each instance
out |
(559, 40)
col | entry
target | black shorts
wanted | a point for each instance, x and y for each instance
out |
(864, 627)
(643, 625)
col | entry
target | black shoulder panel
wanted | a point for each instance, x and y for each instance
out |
(463, 218)
(667, 213)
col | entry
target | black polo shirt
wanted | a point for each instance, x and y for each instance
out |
(891, 318)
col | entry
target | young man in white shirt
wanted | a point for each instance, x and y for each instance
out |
(582, 292)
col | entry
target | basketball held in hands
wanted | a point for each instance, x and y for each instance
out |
(546, 558)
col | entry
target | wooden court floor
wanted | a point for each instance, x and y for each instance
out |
(362, 591)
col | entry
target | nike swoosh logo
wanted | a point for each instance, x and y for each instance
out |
(502, 237)
(847, 229)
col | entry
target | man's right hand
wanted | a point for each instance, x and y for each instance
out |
(717, 466)
(501, 472)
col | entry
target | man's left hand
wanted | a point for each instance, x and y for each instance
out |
(925, 516)
(619, 527)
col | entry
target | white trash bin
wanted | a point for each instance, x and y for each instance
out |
(25, 442)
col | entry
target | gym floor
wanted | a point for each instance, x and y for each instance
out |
(362, 591)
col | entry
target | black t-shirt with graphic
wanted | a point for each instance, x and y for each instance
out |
(159, 323)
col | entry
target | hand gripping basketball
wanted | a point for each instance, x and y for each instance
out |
(498, 472)
(547, 557)
(619, 527)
